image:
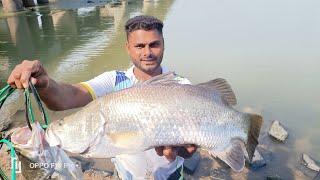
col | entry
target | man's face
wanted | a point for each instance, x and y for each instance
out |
(146, 49)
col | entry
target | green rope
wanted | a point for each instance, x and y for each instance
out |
(4, 89)
(13, 159)
(44, 114)
(28, 105)
(4, 94)
(8, 90)
(29, 110)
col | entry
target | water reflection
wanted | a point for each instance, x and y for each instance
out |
(72, 43)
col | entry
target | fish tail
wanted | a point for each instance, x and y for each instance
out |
(255, 123)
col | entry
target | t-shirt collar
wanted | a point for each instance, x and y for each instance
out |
(129, 73)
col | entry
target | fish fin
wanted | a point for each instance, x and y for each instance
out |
(126, 139)
(166, 78)
(222, 86)
(253, 134)
(233, 155)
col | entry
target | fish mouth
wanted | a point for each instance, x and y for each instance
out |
(21, 140)
(29, 143)
(21, 136)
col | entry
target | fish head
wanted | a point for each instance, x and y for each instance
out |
(29, 143)
(35, 151)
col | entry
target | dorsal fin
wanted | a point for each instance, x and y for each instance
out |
(222, 86)
(167, 78)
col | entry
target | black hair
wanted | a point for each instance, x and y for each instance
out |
(143, 22)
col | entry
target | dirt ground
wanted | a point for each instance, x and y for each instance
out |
(208, 169)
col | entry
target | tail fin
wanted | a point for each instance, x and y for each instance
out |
(253, 133)
(233, 155)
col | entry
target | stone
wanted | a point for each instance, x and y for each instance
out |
(276, 177)
(190, 165)
(310, 163)
(277, 131)
(257, 161)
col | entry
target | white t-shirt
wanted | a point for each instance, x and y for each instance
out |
(144, 164)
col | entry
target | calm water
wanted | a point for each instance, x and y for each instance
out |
(267, 50)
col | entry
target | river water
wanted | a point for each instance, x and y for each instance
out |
(267, 50)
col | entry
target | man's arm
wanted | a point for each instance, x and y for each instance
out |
(57, 96)
(62, 96)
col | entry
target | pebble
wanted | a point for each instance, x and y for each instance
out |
(273, 178)
(310, 163)
(257, 161)
(278, 132)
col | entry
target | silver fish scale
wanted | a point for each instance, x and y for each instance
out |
(147, 116)
(173, 115)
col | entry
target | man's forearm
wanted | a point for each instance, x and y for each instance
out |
(62, 96)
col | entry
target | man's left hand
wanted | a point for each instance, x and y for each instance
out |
(171, 152)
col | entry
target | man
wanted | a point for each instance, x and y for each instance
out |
(145, 46)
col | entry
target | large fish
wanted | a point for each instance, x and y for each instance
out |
(161, 112)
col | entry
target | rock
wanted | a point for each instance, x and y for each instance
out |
(276, 177)
(90, 1)
(277, 131)
(310, 163)
(191, 164)
(257, 161)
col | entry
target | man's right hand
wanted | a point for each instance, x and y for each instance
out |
(32, 70)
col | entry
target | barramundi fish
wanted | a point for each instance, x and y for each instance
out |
(161, 112)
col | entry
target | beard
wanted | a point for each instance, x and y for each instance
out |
(148, 66)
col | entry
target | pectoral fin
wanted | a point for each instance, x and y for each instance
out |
(233, 155)
(126, 139)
